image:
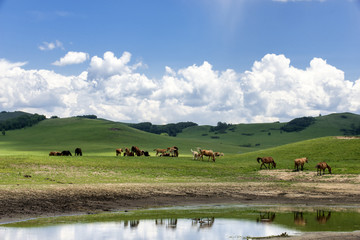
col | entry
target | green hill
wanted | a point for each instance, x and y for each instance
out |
(94, 136)
(102, 137)
(253, 137)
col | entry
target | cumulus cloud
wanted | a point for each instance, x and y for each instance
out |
(111, 87)
(46, 46)
(72, 58)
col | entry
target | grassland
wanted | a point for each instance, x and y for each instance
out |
(33, 183)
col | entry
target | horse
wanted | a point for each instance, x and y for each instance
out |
(66, 153)
(174, 151)
(55, 154)
(300, 162)
(118, 151)
(195, 154)
(266, 160)
(78, 152)
(218, 154)
(322, 166)
(128, 153)
(208, 153)
(136, 150)
(159, 150)
(145, 153)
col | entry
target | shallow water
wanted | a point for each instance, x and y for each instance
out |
(216, 222)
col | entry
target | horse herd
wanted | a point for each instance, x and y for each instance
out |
(267, 162)
(299, 162)
(78, 152)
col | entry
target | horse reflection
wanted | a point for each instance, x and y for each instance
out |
(207, 222)
(171, 223)
(266, 217)
(321, 218)
(159, 221)
(133, 223)
(299, 219)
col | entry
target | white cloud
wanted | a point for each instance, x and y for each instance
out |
(51, 45)
(111, 88)
(72, 58)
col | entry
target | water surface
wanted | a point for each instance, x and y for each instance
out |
(210, 222)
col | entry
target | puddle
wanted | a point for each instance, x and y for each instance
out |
(210, 222)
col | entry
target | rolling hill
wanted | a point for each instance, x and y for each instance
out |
(101, 137)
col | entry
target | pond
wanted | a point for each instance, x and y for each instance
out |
(201, 222)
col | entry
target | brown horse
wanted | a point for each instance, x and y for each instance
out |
(322, 166)
(128, 153)
(208, 153)
(266, 160)
(159, 150)
(55, 154)
(136, 151)
(300, 162)
(118, 151)
(174, 151)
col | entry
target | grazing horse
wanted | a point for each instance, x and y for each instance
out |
(66, 153)
(136, 150)
(300, 162)
(78, 152)
(145, 153)
(159, 150)
(322, 166)
(208, 153)
(266, 160)
(218, 154)
(55, 154)
(195, 154)
(174, 151)
(118, 151)
(128, 153)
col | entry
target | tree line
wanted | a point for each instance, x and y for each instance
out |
(171, 129)
(25, 120)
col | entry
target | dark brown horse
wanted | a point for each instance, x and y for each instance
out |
(78, 152)
(136, 151)
(266, 160)
(322, 166)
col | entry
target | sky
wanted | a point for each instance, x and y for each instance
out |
(168, 61)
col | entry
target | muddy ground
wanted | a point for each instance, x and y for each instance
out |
(299, 188)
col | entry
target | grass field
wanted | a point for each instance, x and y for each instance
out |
(24, 152)
(37, 169)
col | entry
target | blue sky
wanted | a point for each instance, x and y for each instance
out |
(174, 55)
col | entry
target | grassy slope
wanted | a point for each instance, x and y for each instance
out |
(266, 135)
(95, 137)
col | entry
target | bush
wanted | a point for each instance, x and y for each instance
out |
(220, 128)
